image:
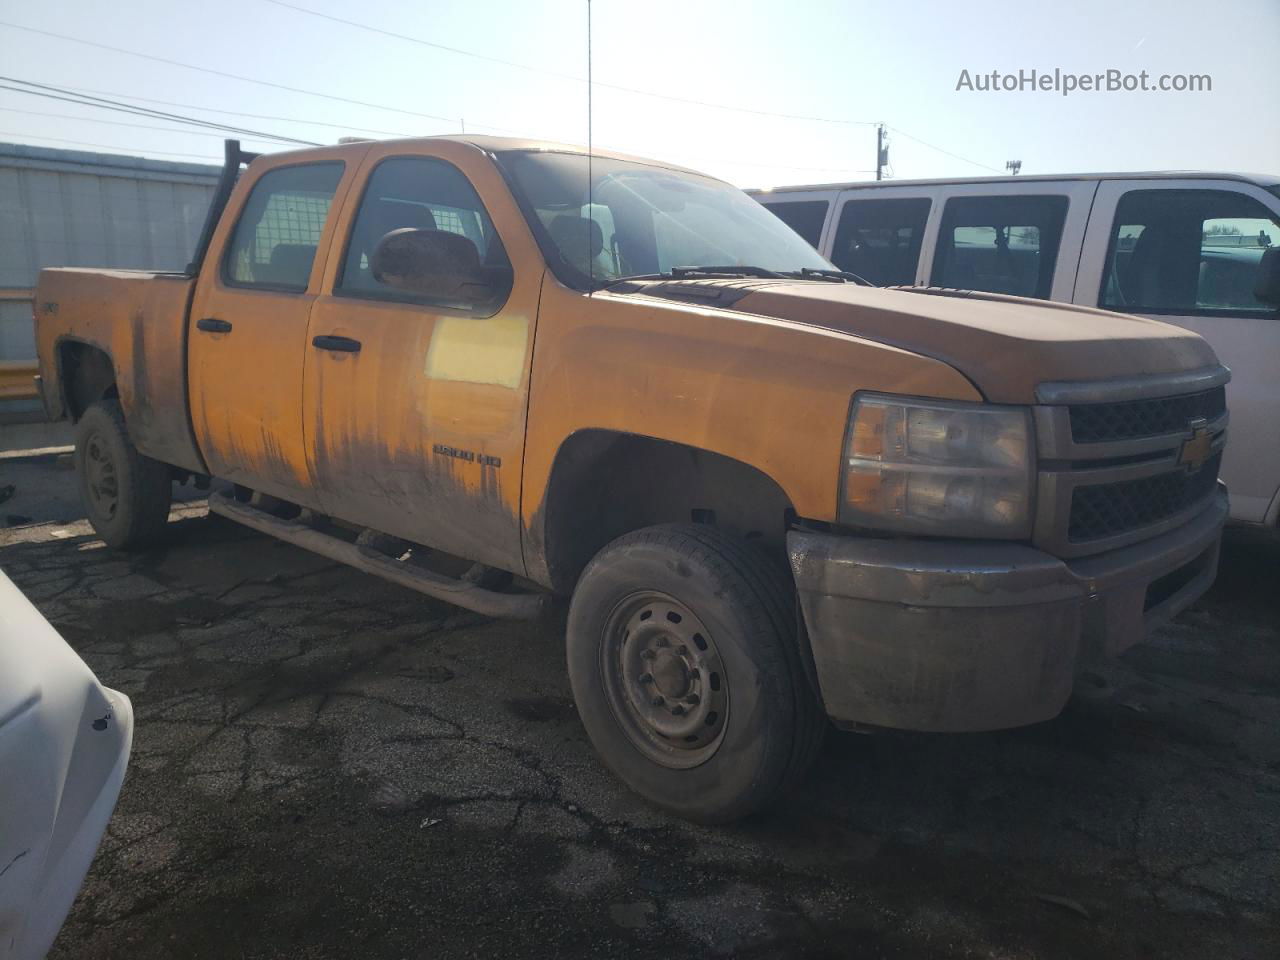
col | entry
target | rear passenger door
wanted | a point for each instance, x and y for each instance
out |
(1187, 252)
(246, 340)
(1018, 237)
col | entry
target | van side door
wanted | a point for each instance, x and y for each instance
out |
(1187, 251)
(247, 327)
(415, 403)
(879, 233)
(1018, 237)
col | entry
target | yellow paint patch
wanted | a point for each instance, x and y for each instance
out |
(473, 350)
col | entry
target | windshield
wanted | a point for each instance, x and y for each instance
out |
(645, 220)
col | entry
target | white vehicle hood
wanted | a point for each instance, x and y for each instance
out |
(64, 745)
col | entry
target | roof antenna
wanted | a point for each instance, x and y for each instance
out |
(591, 261)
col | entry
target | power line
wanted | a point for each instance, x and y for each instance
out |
(932, 146)
(68, 96)
(117, 123)
(225, 74)
(105, 146)
(565, 76)
(240, 113)
(459, 51)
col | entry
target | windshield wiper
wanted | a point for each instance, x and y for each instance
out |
(811, 273)
(704, 273)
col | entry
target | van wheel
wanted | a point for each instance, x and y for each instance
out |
(684, 664)
(126, 495)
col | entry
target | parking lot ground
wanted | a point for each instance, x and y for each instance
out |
(328, 766)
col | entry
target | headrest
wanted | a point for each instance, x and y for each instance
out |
(580, 239)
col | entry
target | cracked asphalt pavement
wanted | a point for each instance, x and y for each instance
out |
(329, 766)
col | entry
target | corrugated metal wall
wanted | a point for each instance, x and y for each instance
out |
(67, 208)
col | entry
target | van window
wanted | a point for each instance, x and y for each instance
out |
(1000, 244)
(805, 217)
(880, 240)
(1187, 252)
(279, 230)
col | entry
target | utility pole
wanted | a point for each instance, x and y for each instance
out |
(880, 151)
(1013, 166)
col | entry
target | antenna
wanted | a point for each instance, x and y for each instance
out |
(591, 261)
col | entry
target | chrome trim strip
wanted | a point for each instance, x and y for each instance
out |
(1054, 440)
(1132, 388)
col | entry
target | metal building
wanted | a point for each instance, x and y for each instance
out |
(68, 208)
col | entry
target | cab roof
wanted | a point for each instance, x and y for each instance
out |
(491, 144)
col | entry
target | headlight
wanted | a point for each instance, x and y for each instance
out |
(939, 469)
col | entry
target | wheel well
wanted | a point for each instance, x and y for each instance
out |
(87, 375)
(604, 484)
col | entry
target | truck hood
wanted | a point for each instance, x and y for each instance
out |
(1005, 345)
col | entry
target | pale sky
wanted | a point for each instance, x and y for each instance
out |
(833, 66)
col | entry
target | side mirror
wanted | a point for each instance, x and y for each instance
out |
(1267, 285)
(434, 263)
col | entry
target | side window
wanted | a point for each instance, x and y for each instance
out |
(880, 240)
(1000, 244)
(421, 193)
(1187, 252)
(275, 240)
(805, 217)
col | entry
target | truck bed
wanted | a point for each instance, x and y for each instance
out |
(137, 319)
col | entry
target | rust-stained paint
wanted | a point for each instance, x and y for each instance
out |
(246, 385)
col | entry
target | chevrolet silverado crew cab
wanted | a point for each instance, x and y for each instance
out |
(496, 371)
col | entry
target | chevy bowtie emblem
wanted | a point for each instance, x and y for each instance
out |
(1197, 448)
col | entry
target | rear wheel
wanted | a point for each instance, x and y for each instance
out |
(684, 663)
(126, 494)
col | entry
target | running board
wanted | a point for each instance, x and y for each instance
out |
(491, 603)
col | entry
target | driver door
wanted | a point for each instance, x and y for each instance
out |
(414, 409)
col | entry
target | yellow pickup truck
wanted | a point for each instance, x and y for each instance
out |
(497, 371)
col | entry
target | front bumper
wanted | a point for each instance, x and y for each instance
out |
(966, 635)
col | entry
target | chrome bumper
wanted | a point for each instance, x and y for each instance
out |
(976, 635)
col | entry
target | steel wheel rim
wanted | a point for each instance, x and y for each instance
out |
(101, 483)
(665, 680)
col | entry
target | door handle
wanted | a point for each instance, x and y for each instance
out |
(338, 344)
(213, 325)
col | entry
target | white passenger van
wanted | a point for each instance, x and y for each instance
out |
(1201, 250)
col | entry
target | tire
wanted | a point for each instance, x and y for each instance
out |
(688, 616)
(126, 495)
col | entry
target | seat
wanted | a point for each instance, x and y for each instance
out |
(289, 265)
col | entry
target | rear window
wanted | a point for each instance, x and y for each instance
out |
(1000, 244)
(805, 217)
(276, 237)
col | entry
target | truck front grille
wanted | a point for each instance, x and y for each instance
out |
(1124, 460)
(1107, 509)
(1102, 422)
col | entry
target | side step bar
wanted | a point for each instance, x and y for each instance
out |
(515, 606)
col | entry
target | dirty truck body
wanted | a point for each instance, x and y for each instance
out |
(772, 494)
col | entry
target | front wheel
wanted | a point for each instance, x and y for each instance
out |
(126, 494)
(684, 663)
